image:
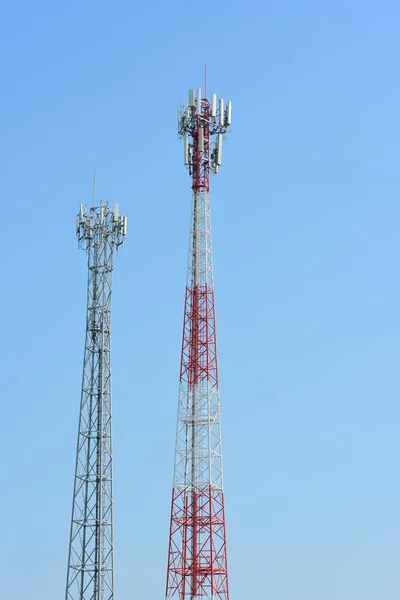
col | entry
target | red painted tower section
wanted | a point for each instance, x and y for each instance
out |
(197, 560)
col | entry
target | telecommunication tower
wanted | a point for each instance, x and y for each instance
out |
(90, 575)
(197, 561)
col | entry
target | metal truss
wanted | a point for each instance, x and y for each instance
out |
(197, 562)
(90, 574)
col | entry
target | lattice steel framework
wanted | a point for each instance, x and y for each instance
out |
(90, 574)
(197, 561)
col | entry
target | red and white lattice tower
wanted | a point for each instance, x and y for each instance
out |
(197, 562)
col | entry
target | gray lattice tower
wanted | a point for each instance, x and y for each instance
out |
(90, 573)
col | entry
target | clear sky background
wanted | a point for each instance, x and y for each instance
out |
(306, 213)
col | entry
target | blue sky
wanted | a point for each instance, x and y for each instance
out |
(306, 242)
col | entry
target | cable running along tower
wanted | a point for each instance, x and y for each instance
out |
(197, 562)
(90, 572)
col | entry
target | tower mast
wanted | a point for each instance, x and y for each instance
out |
(90, 574)
(197, 562)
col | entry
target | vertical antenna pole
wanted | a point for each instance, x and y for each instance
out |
(94, 189)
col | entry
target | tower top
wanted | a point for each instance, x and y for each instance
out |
(203, 126)
(100, 221)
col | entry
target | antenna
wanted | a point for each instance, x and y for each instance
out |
(219, 149)
(214, 105)
(186, 149)
(228, 117)
(201, 140)
(94, 189)
(221, 112)
(198, 105)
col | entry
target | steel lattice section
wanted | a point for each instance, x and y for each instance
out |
(90, 574)
(201, 572)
